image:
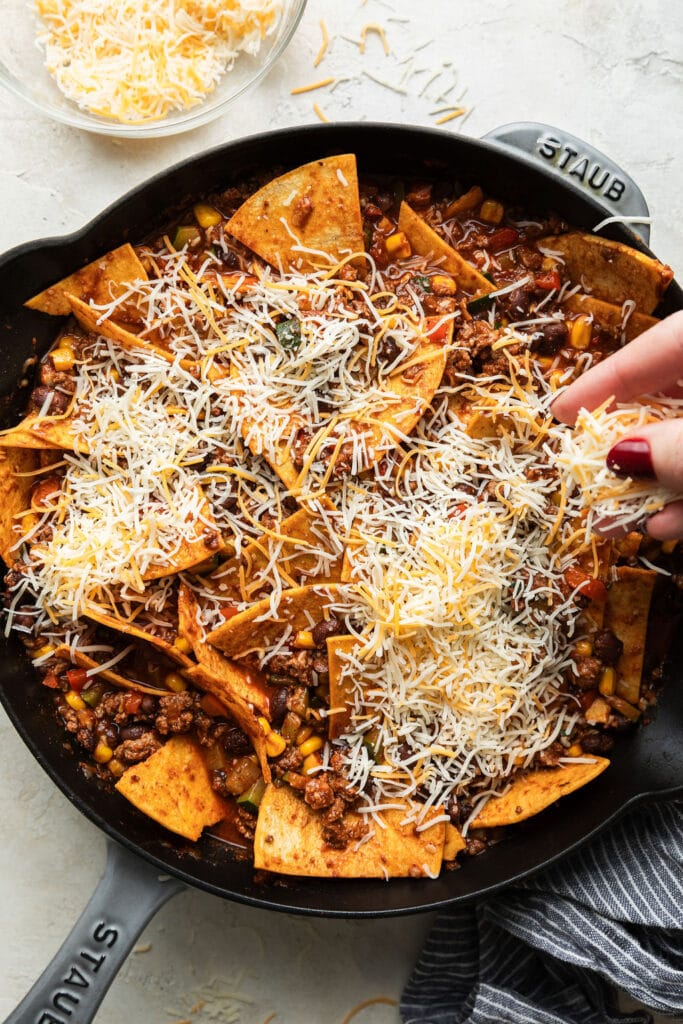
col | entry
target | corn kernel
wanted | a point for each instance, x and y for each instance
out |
(42, 651)
(398, 246)
(545, 362)
(206, 216)
(608, 682)
(174, 681)
(67, 342)
(669, 546)
(584, 648)
(491, 211)
(310, 764)
(116, 767)
(442, 285)
(304, 638)
(103, 753)
(75, 701)
(275, 744)
(310, 745)
(182, 645)
(575, 750)
(580, 332)
(63, 360)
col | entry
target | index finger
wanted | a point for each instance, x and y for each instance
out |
(650, 364)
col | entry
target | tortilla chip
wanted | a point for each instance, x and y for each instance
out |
(298, 608)
(626, 615)
(53, 432)
(426, 242)
(101, 281)
(533, 792)
(341, 690)
(233, 680)
(132, 630)
(454, 842)
(290, 549)
(65, 653)
(89, 319)
(289, 840)
(333, 228)
(611, 270)
(173, 787)
(414, 384)
(15, 497)
(609, 316)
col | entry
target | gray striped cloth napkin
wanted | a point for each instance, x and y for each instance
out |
(554, 949)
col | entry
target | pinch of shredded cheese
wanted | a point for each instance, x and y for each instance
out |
(138, 60)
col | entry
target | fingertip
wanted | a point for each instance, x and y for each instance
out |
(667, 524)
(564, 410)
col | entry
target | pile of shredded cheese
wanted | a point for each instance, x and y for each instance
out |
(459, 540)
(138, 60)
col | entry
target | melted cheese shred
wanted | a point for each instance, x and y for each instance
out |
(138, 60)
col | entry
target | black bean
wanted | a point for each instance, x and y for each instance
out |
(553, 337)
(607, 647)
(132, 732)
(278, 703)
(328, 627)
(235, 742)
(148, 704)
(108, 732)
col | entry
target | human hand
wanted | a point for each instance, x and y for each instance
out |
(651, 364)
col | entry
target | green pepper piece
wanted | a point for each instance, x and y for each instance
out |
(372, 741)
(250, 800)
(185, 236)
(93, 694)
(477, 305)
(289, 334)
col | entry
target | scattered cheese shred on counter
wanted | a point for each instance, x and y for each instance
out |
(139, 60)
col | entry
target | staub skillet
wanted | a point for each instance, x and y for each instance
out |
(538, 166)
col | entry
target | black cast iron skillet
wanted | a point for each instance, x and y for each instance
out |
(542, 169)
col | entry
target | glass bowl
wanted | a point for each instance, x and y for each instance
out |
(22, 71)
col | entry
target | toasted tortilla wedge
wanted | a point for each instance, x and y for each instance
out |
(626, 615)
(89, 319)
(426, 242)
(64, 653)
(341, 691)
(173, 787)
(235, 680)
(317, 204)
(101, 281)
(532, 793)
(609, 316)
(612, 271)
(289, 839)
(454, 842)
(15, 496)
(53, 432)
(132, 630)
(302, 549)
(256, 629)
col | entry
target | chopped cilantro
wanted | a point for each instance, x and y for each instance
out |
(289, 334)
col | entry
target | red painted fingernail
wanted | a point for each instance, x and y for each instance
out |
(631, 457)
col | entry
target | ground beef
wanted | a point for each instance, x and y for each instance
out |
(595, 742)
(59, 403)
(291, 760)
(339, 834)
(318, 793)
(296, 665)
(550, 757)
(133, 751)
(176, 713)
(587, 672)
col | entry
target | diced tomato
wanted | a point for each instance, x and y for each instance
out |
(51, 681)
(548, 281)
(591, 588)
(440, 333)
(503, 238)
(228, 610)
(77, 678)
(131, 704)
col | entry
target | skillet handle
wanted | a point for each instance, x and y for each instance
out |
(581, 164)
(72, 987)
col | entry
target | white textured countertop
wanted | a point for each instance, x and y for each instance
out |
(613, 79)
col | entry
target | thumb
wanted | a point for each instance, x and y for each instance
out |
(656, 453)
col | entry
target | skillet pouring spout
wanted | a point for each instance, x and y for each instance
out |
(74, 984)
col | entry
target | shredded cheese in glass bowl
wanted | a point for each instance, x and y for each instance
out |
(140, 69)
